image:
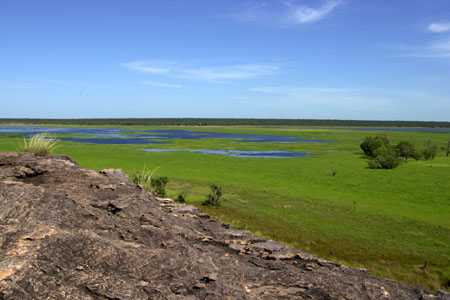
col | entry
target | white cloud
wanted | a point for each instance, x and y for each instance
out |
(253, 12)
(439, 27)
(208, 73)
(285, 12)
(161, 84)
(143, 66)
(236, 72)
(301, 14)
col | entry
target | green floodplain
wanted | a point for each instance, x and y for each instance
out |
(395, 223)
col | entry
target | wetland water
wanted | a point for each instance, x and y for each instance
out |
(236, 153)
(118, 136)
(126, 136)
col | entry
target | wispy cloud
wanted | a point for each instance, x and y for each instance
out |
(435, 49)
(161, 84)
(208, 73)
(286, 12)
(439, 27)
(235, 72)
(301, 14)
(441, 49)
(145, 67)
(296, 91)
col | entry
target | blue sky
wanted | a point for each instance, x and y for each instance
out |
(344, 59)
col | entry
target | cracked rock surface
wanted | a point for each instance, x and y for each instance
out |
(72, 233)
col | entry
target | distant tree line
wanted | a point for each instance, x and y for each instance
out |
(381, 154)
(227, 121)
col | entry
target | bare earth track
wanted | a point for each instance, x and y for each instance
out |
(71, 233)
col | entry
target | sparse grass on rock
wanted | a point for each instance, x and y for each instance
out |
(39, 144)
(143, 178)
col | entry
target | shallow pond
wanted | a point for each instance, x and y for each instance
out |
(237, 153)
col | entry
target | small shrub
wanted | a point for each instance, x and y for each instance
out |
(181, 198)
(333, 172)
(39, 144)
(370, 144)
(214, 197)
(429, 151)
(159, 185)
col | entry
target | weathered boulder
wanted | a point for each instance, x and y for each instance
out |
(71, 233)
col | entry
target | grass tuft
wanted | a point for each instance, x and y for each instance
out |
(144, 178)
(39, 144)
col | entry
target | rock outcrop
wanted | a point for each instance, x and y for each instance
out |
(72, 233)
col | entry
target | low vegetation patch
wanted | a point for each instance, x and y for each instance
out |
(181, 198)
(214, 197)
(447, 150)
(39, 144)
(158, 185)
(145, 178)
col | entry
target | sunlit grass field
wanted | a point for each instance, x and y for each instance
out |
(395, 222)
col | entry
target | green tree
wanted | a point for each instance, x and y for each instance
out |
(447, 151)
(405, 150)
(385, 157)
(371, 144)
(429, 151)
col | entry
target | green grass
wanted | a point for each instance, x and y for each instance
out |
(392, 222)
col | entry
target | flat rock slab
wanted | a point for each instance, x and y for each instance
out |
(71, 233)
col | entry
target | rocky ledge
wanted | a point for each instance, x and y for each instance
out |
(72, 233)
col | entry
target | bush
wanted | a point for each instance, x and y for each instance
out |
(159, 185)
(429, 151)
(385, 158)
(214, 197)
(39, 144)
(181, 198)
(371, 144)
(406, 150)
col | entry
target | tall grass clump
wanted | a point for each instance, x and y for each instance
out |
(39, 144)
(143, 178)
(146, 179)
